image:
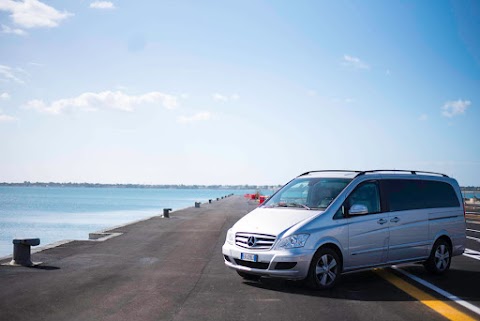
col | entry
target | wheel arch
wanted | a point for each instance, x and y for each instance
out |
(446, 238)
(443, 234)
(335, 247)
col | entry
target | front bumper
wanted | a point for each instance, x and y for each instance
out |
(268, 262)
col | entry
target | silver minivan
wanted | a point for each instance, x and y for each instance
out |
(324, 223)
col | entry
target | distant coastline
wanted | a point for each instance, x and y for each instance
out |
(166, 186)
(470, 189)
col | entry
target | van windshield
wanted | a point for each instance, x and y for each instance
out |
(309, 193)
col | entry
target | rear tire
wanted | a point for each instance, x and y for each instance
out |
(440, 257)
(248, 276)
(324, 269)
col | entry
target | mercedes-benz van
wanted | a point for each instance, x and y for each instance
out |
(325, 223)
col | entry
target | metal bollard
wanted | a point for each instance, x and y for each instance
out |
(197, 204)
(209, 201)
(166, 212)
(217, 198)
(21, 251)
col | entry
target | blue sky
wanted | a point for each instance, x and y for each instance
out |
(236, 92)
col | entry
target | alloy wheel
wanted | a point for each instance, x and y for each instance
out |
(326, 270)
(442, 257)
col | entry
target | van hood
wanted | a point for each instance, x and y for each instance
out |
(272, 221)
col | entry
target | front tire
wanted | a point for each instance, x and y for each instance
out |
(324, 269)
(440, 258)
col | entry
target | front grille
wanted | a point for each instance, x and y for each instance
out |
(257, 241)
(254, 265)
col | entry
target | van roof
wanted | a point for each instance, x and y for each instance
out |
(331, 173)
(353, 173)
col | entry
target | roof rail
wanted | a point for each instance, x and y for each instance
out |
(413, 172)
(331, 170)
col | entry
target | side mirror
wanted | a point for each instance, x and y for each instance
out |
(358, 209)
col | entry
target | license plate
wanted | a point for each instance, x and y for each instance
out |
(249, 257)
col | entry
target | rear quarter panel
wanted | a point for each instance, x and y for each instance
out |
(449, 222)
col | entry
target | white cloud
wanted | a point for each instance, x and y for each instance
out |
(423, 117)
(102, 5)
(225, 98)
(454, 108)
(9, 74)
(201, 116)
(5, 118)
(354, 62)
(5, 96)
(219, 97)
(36, 64)
(33, 13)
(106, 99)
(14, 31)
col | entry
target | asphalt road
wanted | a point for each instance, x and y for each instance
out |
(172, 269)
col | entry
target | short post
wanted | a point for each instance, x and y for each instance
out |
(217, 198)
(166, 212)
(210, 201)
(197, 204)
(21, 251)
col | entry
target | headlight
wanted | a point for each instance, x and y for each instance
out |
(293, 241)
(230, 237)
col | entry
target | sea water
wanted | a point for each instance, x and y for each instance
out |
(471, 194)
(71, 213)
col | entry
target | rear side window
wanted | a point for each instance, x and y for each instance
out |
(403, 194)
(439, 194)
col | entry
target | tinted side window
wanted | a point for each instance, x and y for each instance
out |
(366, 194)
(403, 194)
(439, 194)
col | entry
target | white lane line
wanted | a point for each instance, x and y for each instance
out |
(469, 229)
(473, 238)
(472, 254)
(446, 294)
(473, 222)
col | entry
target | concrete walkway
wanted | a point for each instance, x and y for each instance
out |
(147, 273)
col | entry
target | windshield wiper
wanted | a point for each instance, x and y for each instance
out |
(298, 205)
(289, 205)
(292, 204)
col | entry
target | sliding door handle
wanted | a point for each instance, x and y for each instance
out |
(382, 221)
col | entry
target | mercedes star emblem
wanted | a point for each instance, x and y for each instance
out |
(251, 241)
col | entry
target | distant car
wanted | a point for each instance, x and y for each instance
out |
(324, 223)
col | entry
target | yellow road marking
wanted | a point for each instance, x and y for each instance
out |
(437, 305)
